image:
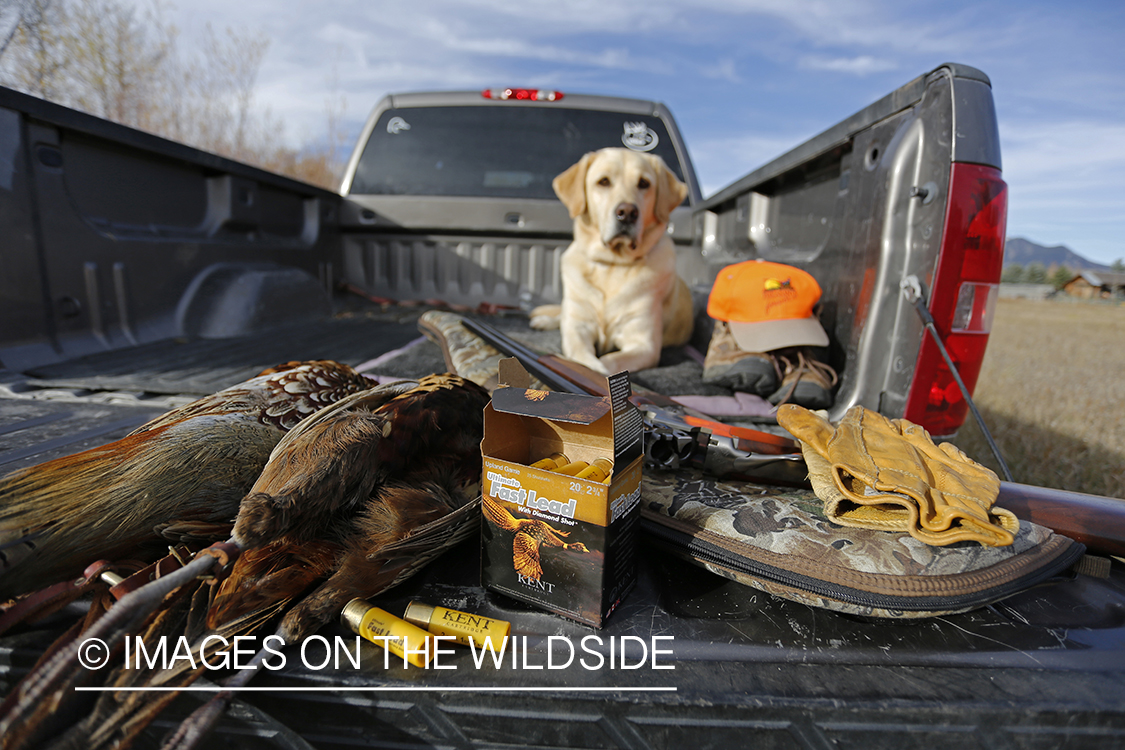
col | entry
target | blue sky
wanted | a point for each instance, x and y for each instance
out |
(745, 79)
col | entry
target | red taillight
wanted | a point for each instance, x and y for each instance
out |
(533, 95)
(963, 296)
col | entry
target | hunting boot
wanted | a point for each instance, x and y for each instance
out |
(728, 366)
(806, 381)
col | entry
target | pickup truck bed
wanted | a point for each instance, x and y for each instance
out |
(1045, 668)
(140, 274)
(69, 406)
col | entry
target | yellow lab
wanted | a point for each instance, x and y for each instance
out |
(622, 300)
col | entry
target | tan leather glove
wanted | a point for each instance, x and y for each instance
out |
(873, 472)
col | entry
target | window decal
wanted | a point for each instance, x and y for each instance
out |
(396, 125)
(639, 137)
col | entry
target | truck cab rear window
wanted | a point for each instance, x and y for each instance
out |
(490, 151)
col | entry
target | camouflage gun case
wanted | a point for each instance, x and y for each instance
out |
(778, 539)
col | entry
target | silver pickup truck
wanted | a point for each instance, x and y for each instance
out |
(121, 239)
(137, 274)
(454, 192)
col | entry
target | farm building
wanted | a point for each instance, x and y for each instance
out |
(1096, 285)
(1026, 291)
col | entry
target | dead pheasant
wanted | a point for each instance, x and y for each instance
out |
(354, 480)
(529, 535)
(182, 474)
(352, 501)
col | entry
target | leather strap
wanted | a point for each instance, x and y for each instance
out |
(177, 557)
(52, 598)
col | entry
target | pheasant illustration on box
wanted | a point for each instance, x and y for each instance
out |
(529, 535)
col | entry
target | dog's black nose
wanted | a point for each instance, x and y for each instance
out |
(627, 213)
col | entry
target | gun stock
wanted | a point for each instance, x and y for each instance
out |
(1098, 522)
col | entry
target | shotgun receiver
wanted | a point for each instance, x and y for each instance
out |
(673, 440)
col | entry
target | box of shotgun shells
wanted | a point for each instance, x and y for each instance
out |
(561, 495)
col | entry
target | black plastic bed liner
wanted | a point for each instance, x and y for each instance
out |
(1042, 669)
(202, 366)
(81, 403)
(33, 431)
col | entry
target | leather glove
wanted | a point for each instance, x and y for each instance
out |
(873, 472)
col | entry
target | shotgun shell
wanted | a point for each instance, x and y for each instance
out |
(463, 626)
(551, 462)
(572, 468)
(384, 629)
(598, 471)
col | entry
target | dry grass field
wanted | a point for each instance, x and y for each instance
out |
(1052, 392)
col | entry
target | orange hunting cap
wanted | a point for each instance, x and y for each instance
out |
(768, 305)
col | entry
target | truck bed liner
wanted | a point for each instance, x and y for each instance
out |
(750, 670)
(33, 431)
(202, 366)
(1040, 669)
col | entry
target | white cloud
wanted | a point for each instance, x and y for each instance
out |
(861, 65)
(1065, 151)
(723, 70)
(1065, 183)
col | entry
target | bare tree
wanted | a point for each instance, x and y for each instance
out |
(11, 16)
(33, 60)
(116, 59)
(209, 98)
(321, 163)
(108, 58)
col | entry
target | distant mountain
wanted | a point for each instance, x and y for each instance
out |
(1021, 251)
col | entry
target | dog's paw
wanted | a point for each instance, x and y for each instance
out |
(633, 361)
(544, 323)
(546, 317)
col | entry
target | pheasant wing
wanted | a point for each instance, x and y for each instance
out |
(499, 515)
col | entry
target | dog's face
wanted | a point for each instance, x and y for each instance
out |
(621, 195)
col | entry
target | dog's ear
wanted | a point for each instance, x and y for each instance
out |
(570, 186)
(670, 192)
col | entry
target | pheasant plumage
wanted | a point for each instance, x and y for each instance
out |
(355, 478)
(351, 501)
(182, 473)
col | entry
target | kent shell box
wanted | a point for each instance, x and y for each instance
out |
(564, 542)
